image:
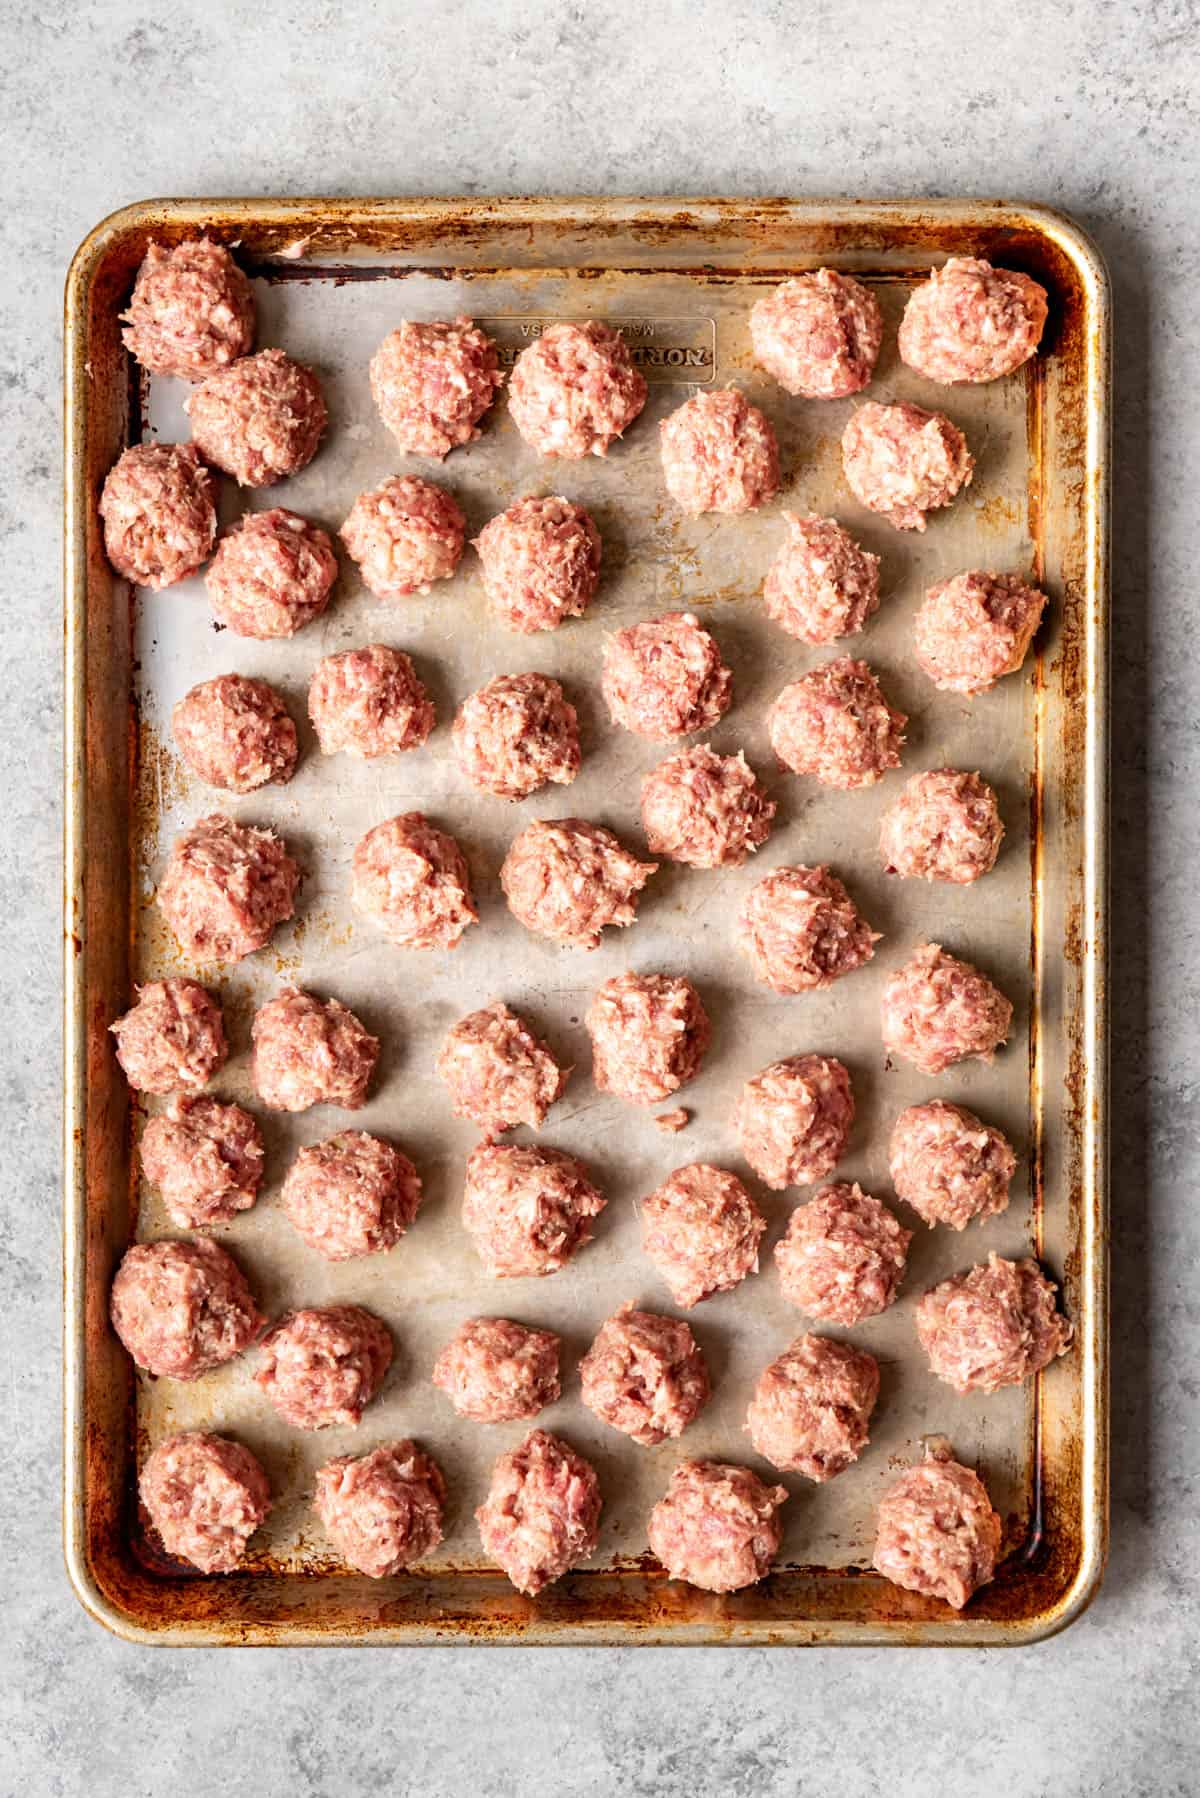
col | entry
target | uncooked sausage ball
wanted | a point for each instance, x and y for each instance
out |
(719, 454)
(413, 880)
(225, 888)
(527, 1209)
(818, 334)
(811, 1409)
(575, 390)
(937, 1010)
(973, 630)
(992, 1326)
(802, 930)
(701, 1229)
(541, 563)
(192, 310)
(382, 1511)
(206, 1159)
(517, 734)
(404, 535)
(649, 1034)
(206, 1496)
(972, 322)
(843, 1256)
(260, 419)
(793, 1119)
(173, 1039)
(236, 733)
(352, 1195)
(903, 462)
(182, 1308)
(272, 574)
(369, 702)
(324, 1366)
(821, 585)
(159, 515)
(937, 1533)
(495, 1371)
(541, 1516)
(498, 1072)
(645, 1375)
(948, 1166)
(309, 1051)
(835, 725)
(665, 678)
(717, 1526)
(433, 383)
(944, 826)
(568, 880)
(706, 810)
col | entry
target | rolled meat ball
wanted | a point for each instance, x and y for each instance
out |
(541, 1516)
(937, 1010)
(412, 879)
(272, 574)
(575, 390)
(351, 1195)
(719, 454)
(973, 630)
(821, 585)
(159, 514)
(972, 322)
(701, 1229)
(793, 1119)
(206, 1159)
(541, 563)
(717, 1527)
(225, 888)
(801, 930)
(382, 1511)
(819, 335)
(236, 733)
(404, 535)
(192, 310)
(173, 1039)
(498, 1073)
(516, 734)
(811, 1409)
(937, 1533)
(496, 1371)
(205, 1496)
(650, 1033)
(369, 702)
(665, 678)
(568, 880)
(843, 1256)
(310, 1051)
(944, 826)
(260, 419)
(182, 1308)
(948, 1166)
(324, 1366)
(705, 810)
(528, 1210)
(432, 383)
(993, 1326)
(904, 462)
(835, 725)
(645, 1376)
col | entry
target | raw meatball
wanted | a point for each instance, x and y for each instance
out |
(944, 826)
(937, 1010)
(948, 1166)
(717, 1526)
(704, 809)
(811, 1409)
(701, 1229)
(719, 454)
(818, 334)
(310, 1051)
(517, 734)
(821, 585)
(835, 724)
(351, 1195)
(793, 1119)
(843, 1256)
(433, 383)
(903, 462)
(498, 1072)
(541, 563)
(494, 1371)
(528, 1209)
(404, 535)
(369, 702)
(413, 880)
(382, 1511)
(236, 733)
(802, 930)
(206, 1496)
(649, 1034)
(173, 1040)
(645, 1375)
(992, 1326)
(324, 1366)
(567, 880)
(260, 419)
(182, 1308)
(665, 678)
(206, 1159)
(973, 630)
(541, 1516)
(272, 574)
(192, 310)
(575, 390)
(159, 517)
(937, 1532)
(225, 888)
(972, 322)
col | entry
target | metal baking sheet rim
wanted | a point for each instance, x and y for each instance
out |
(98, 1587)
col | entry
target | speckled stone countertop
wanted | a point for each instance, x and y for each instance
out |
(1093, 107)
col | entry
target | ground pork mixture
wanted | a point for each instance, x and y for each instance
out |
(974, 629)
(948, 1166)
(701, 1229)
(972, 322)
(665, 678)
(260, 419)
(937, 1533)
(650, 1033)
(843, 1256)
(351, 1195)
(575, 390)
(516, 734)
(498, 1073)
(568, 880)
(173, 1039)
(225, 888)
(236, 733)
(369, 702)
(992, 1326)
(944, 826)
(496, 1371)
(821, 585)
(811, 1409)
(717, 1526)
(645, 1375)
(527, 1209)
(903, 462)
(541, 1516)
(541, 563)
(206, 1159)
(835, 725)
(793, 1119)
(719, 454)
(182, 1308)
(382, 1511)
(324, 1366)
(159, 514)
(432, 383)
(937, 1010)
(205, 1496)
(801, 930)
(192, 310)
(412, 879)
(819, 335)
(705, 810)
(309, 1051)
(272, 574)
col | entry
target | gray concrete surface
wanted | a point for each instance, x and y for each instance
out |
(1092, 107)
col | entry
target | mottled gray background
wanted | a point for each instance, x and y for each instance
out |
(1092, 107)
